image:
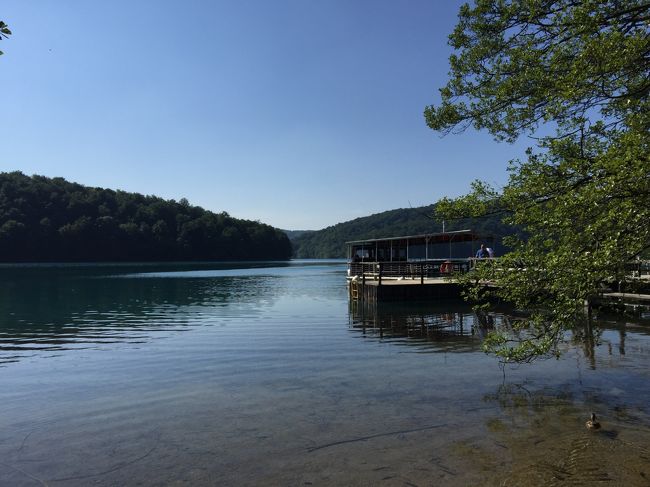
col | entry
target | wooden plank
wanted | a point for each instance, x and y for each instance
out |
(628, 296)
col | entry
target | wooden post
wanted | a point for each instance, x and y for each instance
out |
(381, 269)
(421, 273)
(588, 310)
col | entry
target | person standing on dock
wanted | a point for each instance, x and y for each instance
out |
(482, 253)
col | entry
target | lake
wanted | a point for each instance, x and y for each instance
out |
(265, 374)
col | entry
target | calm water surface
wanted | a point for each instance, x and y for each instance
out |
(264, 374)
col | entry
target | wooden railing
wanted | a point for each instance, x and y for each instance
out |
(410, 270)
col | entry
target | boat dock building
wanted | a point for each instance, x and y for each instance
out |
(411, 267)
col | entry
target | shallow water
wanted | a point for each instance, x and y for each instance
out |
(264, 374)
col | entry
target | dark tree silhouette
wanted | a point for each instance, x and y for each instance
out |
(51, 219)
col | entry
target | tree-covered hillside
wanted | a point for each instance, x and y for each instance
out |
(51, 219)
(330, 242)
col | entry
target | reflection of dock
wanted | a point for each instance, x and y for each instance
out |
(632, 302)
(451, 323)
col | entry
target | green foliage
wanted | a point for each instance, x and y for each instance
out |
(583, 197)
(330, 242)
(524, 62)
(43, 219)
(4, 32)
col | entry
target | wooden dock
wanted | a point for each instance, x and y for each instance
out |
(634, 302)
(432, 279)
(640, 298)
(371, 290)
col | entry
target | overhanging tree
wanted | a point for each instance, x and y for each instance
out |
(574, 76)
(4, 32)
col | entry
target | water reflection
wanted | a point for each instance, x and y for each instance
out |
(604, 341)
(442, 325)
(273, 378)
(53, 308)
(455, 325)
(57, 313)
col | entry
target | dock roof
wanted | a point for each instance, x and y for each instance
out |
(437, 236)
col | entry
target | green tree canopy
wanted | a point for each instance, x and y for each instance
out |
(4, 32)
(574, 76)
(51, 219)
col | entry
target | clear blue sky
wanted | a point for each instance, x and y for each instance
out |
(298, 113)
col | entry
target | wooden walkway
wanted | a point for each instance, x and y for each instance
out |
(628, 297)
(390, 289)
(386, 281)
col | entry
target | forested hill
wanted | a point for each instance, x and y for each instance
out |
(50, 219)
(330, 242)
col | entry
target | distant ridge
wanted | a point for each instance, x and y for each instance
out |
(330, 242)
(294, 234)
